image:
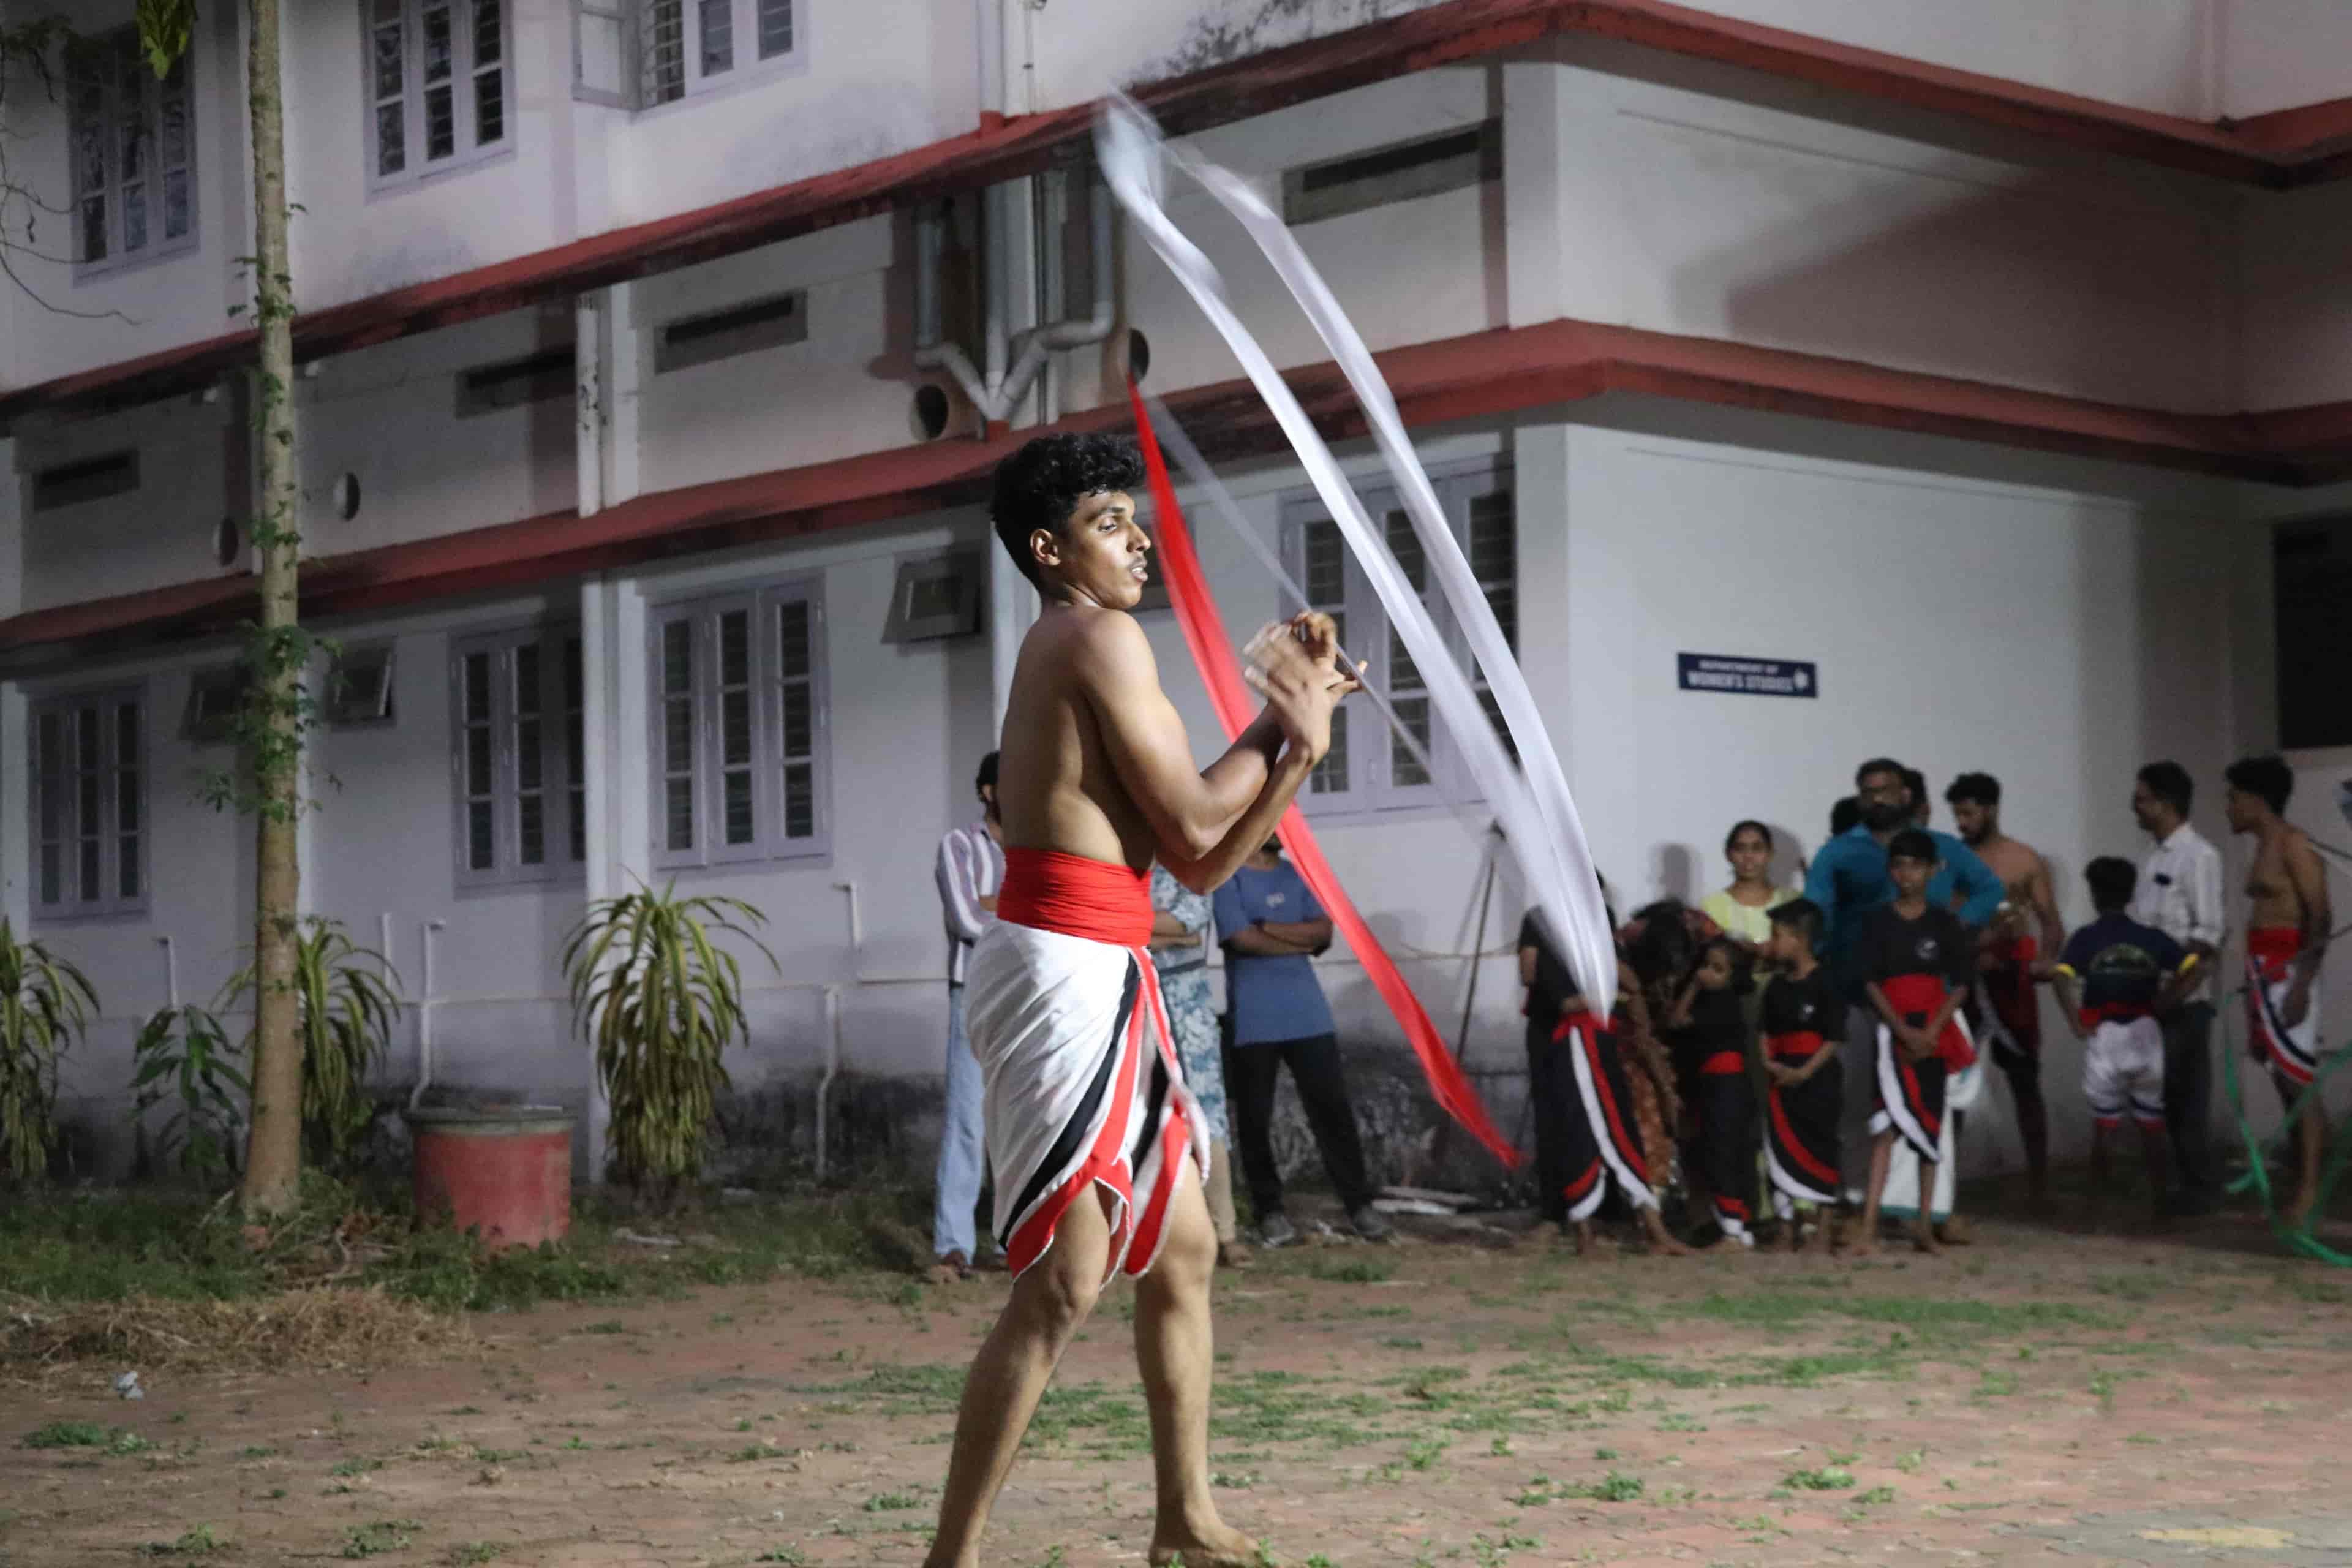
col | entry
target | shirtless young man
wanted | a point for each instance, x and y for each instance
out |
(1089, 1126)
(2287, 922)
(2009, 961)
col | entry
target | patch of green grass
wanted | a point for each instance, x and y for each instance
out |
(1909, 1463)
(1875, 1496)
(195, 1543)
(114, 1245)
(1400, 1344)
(890, 1502)
(472, 1553)
(114, 1440)
(354, 1466)
(256, 1451)
(1919, 1314)
(382, 1535)
(1351, 1270)
(791, 1556)
(1831, 1479)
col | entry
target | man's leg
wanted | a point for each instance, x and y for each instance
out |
(1009, 1375)
(1549, 1101)
(1174, 1352)
(963, 1149)
(2189, 1101)
(1220, 1193)
(1322, 1081)
(1882, 1156)
(1249, 1101)
(2310, 1144)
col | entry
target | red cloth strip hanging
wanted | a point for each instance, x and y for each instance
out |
(1212, 654)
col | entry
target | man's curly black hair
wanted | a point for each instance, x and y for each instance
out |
(1040, 485)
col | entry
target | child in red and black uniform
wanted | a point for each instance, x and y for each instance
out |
(1799, 1029)
(1918, 960)
(1707, 1033)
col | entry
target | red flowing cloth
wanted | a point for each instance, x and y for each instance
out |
(1212, 653)
(1076, 895)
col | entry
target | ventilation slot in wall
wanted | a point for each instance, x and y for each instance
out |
(535, 378)
(770, 323)
(92, 478)
(1402, 172)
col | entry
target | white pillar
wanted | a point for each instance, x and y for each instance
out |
(588, 352)
(615, 725)
(623, 367)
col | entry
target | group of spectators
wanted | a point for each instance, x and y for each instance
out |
(1836, 1034)
(1812, 1050)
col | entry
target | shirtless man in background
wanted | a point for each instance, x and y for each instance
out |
(2010, 961)
(1089, 1127)
(2288, 922)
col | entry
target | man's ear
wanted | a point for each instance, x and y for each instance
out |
(1044, 547)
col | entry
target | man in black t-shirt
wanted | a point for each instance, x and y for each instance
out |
(1917, 960)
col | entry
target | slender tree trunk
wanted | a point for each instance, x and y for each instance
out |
(273, 1168)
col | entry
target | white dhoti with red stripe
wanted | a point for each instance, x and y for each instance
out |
(1083, 1087)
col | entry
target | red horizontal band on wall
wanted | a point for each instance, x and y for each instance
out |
(1485, 375)
(2290, 148)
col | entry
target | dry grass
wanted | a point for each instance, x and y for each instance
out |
(314, 1328)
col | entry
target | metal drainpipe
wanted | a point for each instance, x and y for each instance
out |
(424, 1018)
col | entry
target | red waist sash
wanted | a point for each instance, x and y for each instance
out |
(1076, 895)
(2114, 1012)
(1919, 997)
(1723, 1063)
(1796, 1045)
(2272, 950)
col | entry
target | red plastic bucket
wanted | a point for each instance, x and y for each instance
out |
(503, 1173)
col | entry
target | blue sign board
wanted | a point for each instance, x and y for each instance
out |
(1748, 676)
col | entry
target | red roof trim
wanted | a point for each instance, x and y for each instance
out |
(1482, 375)
(2291, 147)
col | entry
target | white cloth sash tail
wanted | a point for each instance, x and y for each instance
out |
(1539, 819)
(1083, 1087)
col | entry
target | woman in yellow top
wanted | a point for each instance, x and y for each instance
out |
(1743, 910)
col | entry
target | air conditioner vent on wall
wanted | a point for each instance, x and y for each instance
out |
(359, 687)
(86, 480)
(534, 378)
(743, 328)
(935, 597)
(1401, 172)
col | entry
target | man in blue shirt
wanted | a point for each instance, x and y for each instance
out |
(1270, 926)
(1848, 880)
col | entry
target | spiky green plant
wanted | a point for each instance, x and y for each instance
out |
(185, 1055)
(660, 999)
(347, 1002)
(44, 1010)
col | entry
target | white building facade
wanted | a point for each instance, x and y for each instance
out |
(1970, 363)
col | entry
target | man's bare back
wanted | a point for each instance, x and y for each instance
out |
(2023, 874)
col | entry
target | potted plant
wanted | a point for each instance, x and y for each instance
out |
(660, 998)
(44, 1010)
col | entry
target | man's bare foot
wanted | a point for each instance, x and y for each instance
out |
(1216, 1545)
(2296, 1213)
(1860, 1246)
(1957, 1231)
(1234, 1255)
(1661, 1240)
(950, 1268)
(1923, 1238)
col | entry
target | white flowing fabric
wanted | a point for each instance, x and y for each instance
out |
(1538, 818)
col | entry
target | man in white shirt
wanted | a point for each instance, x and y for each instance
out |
(2181, 895)
(970, 869)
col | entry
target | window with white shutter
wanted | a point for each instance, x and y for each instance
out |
(739, 727)
(89, 803)
(1370, 767)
